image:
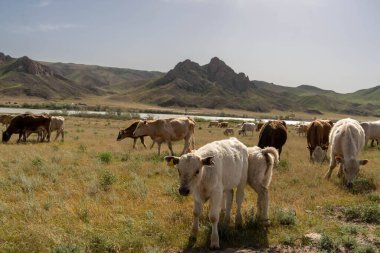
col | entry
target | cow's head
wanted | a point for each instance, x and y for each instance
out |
(350, 168)
(190, 168)
(140, 128)
(6, 136)
(121, 135)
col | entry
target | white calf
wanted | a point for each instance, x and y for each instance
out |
(347, 139)
(217, 167)
(371, 130)
(260, 167)
(247, 127)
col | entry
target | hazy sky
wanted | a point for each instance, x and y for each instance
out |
(332, 44)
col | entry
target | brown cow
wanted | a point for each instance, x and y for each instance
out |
(5, 119)
(128, 132)
(273, 134)
(223, 124)
(168, 130)
(24, 123)
(318, 135)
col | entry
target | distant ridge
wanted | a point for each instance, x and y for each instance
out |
(189, 84)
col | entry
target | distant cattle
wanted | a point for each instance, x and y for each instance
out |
(168, 130)
(213, 124)
(371, 130)
(223, 124)
(57, 124)
(260, 167)
(347, 139)
(23, 123)
(317, 136)
(128, 132)
(207, 173)
(228, 131)
(259, 126)
(5, 119)
(246, 127)
(273, 134)
(301, 130)
(373, 142)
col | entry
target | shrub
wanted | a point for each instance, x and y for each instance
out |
(37, 161)
(326, 244)
(100, 245)
(364, 213)
(362, 185)
(107, 179)
(349, 242)
(286, 217)
(137, 187)
(105, 157)
(373, 197)
(84, 215)
(365, 248)
(288, 240)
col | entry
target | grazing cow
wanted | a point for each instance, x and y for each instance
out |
(217, 167)
(5, 119)
(57, 123)
(373, 142)
(316, 137)
(223, 124)
(27, 122)
(371, 130)
(168, 130)
(128, 132)
(301, 130)
(247, 127)
(228, 131)
(259, 126)
(347, 139)
(260, 167)
(213, 124)
(273, 134)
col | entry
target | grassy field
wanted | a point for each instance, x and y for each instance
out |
(94, 194)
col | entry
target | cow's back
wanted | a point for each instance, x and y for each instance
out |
(230, 161)
(314, 134)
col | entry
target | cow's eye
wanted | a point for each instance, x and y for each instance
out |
(197, 172)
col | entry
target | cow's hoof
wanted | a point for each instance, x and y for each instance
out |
(192, 240)
(214, 247)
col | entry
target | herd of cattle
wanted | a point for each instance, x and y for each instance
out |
(26, 124)
(215, 169)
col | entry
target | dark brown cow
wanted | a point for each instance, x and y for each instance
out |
(128, 132)
(24, 123)
(273, 134)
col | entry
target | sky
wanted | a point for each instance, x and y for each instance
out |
(330, 44)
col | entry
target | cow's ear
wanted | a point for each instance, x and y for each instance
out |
(338, 158)
(363, 162)
(171, 160)
(207, 161)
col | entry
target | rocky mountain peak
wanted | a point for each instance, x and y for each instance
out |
(4, 58)
(25, 64)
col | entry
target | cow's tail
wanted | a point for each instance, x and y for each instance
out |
(193, 131)
(271, 157)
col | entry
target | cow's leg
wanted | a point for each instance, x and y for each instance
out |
(186, 147)
(262, 205)
(279, 152)
(340, 171)
(134, 143)
(372, 142)
(151, 146)
(62, 133)
(159, 147)
(239, 201)
(229, 200)
(197, 209)
(170, 147)
(48, 135)
(215, 202)
(332, 166)
(142, 141)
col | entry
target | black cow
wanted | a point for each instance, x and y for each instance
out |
(273, 134)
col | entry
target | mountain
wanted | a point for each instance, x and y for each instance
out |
(188, 84)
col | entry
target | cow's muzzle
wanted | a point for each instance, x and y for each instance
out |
(184, 191)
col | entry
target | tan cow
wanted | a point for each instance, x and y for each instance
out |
(223, 124)
(301, 130)
(228, 131)
(57, 123)
(168, 130)
(5, 119)
(213, 124)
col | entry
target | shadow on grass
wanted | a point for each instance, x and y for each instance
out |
(251, 235)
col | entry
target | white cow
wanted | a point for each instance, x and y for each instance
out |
(217, 167)
(347, 139)
(260, 167)
(247, 127)
(371, 130)
(57, 123)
